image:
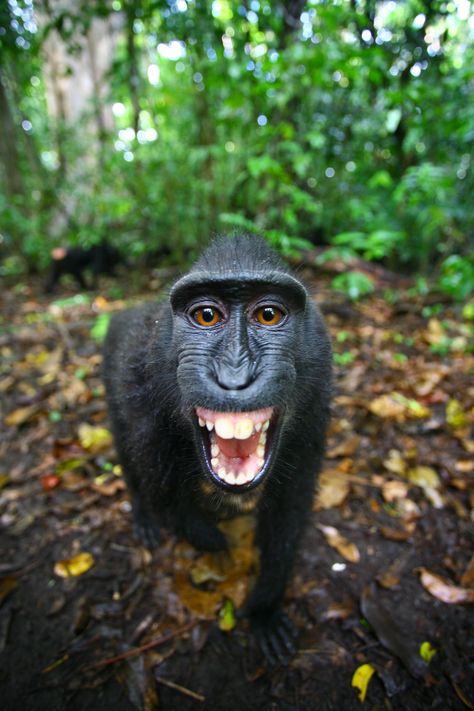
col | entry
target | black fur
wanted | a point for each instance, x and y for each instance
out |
(159, 366)
(99, 259)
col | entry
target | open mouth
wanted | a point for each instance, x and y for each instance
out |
(236, 445)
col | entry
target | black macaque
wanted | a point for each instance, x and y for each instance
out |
(219, 401)
(99, 259)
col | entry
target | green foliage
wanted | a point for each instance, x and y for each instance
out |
(302, 128)
(100, 327)
(354, 284)
(373, 246)
(457, 277)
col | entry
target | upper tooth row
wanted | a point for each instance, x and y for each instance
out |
(242, 429)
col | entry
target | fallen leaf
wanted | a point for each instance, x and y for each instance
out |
(346, 448)
(397, 406)
(227, 620)
(333, 489)
(21, 415)
(348, 550)
(7, 585)
(426, 477)
(395, 534)
(395, 462)
(110, 488)
(93, 438)
(444, 590)
(467, 578)
(386, 406)
(392, 490)
(427, 652)
(361, 678)
(50, 481)
(455, 416)
(210, 567)
(72, 567)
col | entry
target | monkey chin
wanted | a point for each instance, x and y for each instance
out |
(237, 448)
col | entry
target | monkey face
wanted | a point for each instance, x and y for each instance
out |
(237, 346)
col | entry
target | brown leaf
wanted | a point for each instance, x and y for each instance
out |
(467, 578)
(7, 585)
(348, 550)
(21, 415)
(346, 448)
(393, 490)
(444, 590)
(333, 489)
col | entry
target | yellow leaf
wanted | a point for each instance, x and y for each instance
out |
(361, 678)
(426, 477)
(455, 416)
(72, 567)
(413, 407)
(94, 439)
(395, 462)
(227, 616)
(427, 652)
(386, 406)
(348, 550)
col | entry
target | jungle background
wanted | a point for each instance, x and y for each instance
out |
(342, 132)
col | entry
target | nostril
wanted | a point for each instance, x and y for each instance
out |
(232, 378)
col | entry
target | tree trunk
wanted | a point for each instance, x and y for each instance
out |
(9, 147)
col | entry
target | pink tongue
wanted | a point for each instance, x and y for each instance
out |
(238, 447)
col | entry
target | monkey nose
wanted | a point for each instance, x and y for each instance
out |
(232, 377)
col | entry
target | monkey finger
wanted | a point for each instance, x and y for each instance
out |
(148, 534)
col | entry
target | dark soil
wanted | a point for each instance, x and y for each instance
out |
(57, 632)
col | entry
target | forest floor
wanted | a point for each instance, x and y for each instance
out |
(383, 585)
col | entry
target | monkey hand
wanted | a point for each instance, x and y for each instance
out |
(145, 528)
(275, 634)
(202, 534)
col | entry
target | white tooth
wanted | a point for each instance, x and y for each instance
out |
(209, 425)
(215, 450)
(231, 477)
(241, 479)
(249, 477)
(266, 425)
(202, 423)
(214, 463)
(262, 439)
(243, 428)
(224, 427)
(222, 473)
(258, 427)
(260, 451)
(259, 463)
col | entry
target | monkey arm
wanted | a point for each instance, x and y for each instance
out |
(280, 526)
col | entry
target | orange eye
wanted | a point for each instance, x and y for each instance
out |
(207, 316)
(269, 315)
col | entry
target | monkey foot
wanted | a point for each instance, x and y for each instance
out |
(275, 635)
(204, 536)
(146, 530)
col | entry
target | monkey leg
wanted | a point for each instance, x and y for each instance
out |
(279, 530)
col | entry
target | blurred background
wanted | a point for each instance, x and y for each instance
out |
(347, 126)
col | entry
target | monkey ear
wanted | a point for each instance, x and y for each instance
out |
(207, 283)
